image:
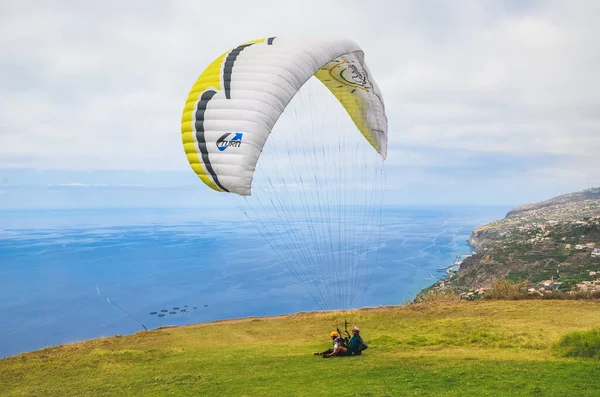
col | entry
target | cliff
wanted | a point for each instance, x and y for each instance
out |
(556, 239)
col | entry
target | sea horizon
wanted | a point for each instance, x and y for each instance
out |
(78, 274)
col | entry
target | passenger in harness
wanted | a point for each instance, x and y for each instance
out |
(353, 348)
(337, 340)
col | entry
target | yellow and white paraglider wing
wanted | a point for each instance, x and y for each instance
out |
(348, 78)
(234, 104)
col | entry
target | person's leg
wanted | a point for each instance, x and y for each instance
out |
(336, 352)
(328, 351)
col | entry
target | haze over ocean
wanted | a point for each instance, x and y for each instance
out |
(59, 266)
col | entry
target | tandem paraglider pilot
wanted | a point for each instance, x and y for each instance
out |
(356, 344)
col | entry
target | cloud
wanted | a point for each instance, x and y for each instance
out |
(84, 185)
(504, 82)
(101, 86)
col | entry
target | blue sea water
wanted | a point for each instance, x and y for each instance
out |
(65, 275)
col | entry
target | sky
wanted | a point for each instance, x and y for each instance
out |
(488, 102)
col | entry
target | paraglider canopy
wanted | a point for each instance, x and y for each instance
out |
(234, 104)
(315, 195)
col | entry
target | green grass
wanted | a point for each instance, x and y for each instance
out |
(583, 344)
(485, 348)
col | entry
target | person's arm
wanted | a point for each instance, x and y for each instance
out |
(338, 350)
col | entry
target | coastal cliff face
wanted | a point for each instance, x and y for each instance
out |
(557, 239)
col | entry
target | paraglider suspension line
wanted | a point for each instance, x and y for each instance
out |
(126, 312)
(123, 310)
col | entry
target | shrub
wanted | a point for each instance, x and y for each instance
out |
(577, 295)
(438, 295)
(506, 290)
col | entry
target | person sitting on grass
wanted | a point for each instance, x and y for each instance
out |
(337, 340)
(353, 348)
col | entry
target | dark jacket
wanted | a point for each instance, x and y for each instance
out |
(355, 343)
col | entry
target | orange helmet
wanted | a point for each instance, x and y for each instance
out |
(334, 334)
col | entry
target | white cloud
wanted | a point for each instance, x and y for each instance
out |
(88, 85)
(83, 185)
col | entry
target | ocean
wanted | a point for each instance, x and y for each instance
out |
(73, 275)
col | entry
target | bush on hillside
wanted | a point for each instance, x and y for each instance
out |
(438, 295)
(506, 290)
(573, 295)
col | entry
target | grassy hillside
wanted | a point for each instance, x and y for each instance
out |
(484, 348)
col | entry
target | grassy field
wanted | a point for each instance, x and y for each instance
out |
(483, 348)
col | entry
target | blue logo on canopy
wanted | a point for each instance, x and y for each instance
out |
(223, 143)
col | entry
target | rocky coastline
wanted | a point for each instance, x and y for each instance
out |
(548, 246)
